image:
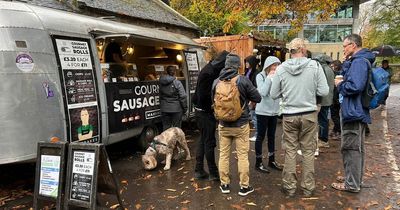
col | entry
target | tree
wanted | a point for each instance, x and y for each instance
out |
(233, 16)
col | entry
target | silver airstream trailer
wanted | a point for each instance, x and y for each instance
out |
(77, 78)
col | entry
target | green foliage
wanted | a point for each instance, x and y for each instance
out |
(235, 16)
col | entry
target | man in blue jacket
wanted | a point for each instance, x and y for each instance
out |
(355, 116)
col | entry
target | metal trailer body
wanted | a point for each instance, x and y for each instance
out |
(28, 114)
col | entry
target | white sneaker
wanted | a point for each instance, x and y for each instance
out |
(253, 138)
(316, 153)
(299, 152)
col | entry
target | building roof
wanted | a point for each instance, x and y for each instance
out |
(151, 10)
(154, 10)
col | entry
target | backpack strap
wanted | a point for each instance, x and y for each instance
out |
(237, 78)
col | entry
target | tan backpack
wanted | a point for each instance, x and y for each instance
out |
(227, 100)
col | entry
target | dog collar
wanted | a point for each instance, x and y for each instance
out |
(155, 142)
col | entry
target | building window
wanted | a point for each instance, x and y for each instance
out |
(326, 33)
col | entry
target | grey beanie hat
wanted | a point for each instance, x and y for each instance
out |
(270, 60)
(232, 61)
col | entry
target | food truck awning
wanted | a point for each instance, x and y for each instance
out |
(172, 40)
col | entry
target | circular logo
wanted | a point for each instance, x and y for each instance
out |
(24, 62)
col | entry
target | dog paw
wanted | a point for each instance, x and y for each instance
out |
(166, 168)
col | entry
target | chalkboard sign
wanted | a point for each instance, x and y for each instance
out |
(83, 164)
(88, 172)
(49, 174)
(81, 179)
(192, 64)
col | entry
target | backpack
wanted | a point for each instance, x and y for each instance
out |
(378, 86)
(227, 100)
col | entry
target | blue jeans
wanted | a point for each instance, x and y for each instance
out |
(264, 123)
(323, 123)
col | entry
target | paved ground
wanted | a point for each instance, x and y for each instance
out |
(176, 188)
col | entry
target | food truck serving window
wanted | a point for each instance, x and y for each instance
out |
(131, 68)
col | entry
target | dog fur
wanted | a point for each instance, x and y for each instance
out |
(166, 143)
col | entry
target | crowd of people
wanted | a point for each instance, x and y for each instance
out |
(276, 91)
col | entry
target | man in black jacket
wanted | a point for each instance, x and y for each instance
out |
(205, 118)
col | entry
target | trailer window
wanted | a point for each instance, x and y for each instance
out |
(124, 61)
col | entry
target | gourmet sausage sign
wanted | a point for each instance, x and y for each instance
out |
(132, 103)
(79, 88)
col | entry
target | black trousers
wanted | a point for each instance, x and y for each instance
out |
(171, 119)
(206, 144)
(335, 115)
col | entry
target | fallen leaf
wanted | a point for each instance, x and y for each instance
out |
(388, 207)
(147, 177)
(138, 206)
(192, 179)
(172, 197)
(235, 206)
(311, 198)
(185, 202)
(211, 204)
(229, 198)
(185, 172)
(372, 203)
(340, 203)
(124, 182)
(181, 183)
(179, 169)
(114, 206)
(171, 190)
(251, 204)
(205, 188)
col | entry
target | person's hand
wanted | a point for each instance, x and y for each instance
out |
(338, 80)
(271, 73)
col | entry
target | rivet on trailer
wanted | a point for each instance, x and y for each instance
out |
(72, 77)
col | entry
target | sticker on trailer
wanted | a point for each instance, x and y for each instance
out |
(24, 62)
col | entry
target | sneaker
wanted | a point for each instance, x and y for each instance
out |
(316, 153)
(213, 177)
(299, 152)
(200, 175)
(225, 188)
(246, 190)
(275, 165)
(262, 168)
(323, 144)
(253, 138)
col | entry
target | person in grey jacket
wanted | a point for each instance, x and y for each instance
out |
(237, 131)
(298, 81)
(326, 101)
(172, 99)
(267, 115)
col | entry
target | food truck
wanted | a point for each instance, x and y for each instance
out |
(77, 78)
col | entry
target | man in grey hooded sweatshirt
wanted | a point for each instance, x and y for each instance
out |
(298, 81)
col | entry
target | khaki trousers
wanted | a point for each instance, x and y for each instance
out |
(239, 135)
(299, 132)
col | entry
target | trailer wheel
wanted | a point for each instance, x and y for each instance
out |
(147, 136)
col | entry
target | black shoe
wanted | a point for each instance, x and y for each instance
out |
(200, 175)
(287, 193)
(262, 168)
(225, 188)
(213, 177)
(246, 190)
(275, 166)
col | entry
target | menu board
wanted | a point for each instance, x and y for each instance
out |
(82, 175)
(193, 69)
(79, 88)
(49, 175)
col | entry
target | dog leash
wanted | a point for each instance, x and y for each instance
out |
(155, 142)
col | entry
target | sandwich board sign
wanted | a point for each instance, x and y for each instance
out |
(88, 172)
(49, 174)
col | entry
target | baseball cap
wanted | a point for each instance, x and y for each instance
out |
(297, 43)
